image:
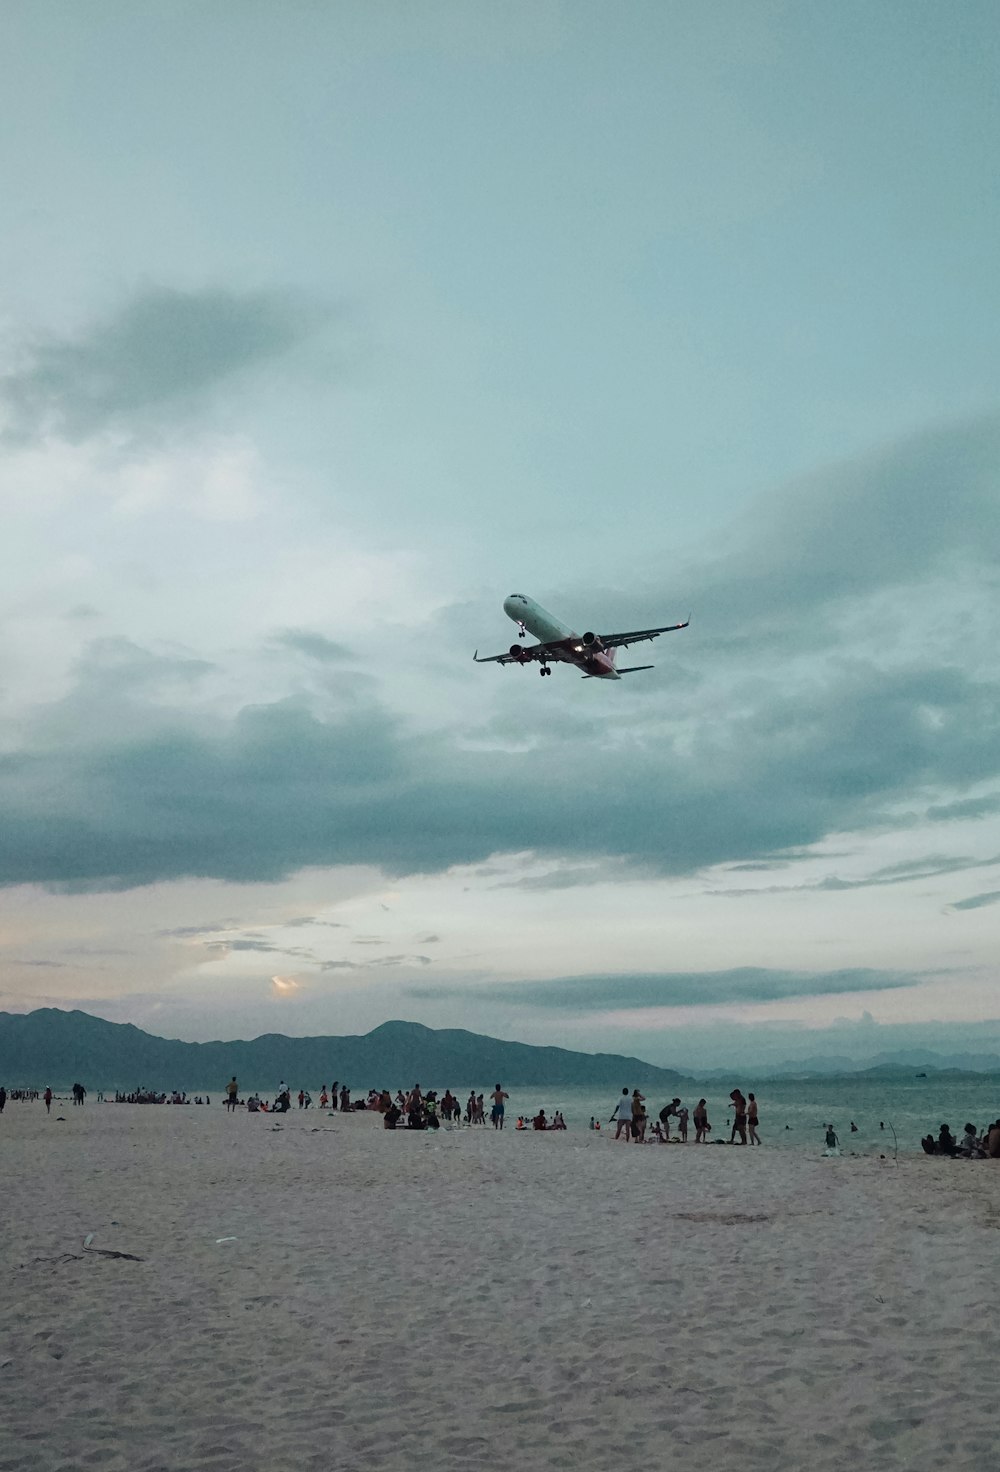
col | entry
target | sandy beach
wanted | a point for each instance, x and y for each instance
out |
(465, 1299)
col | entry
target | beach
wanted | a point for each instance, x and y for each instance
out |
(313, 1292)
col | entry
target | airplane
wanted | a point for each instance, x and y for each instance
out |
(593, 653)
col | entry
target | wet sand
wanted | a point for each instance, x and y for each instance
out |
(465, 1300)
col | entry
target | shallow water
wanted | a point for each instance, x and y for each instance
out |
(793, 1113)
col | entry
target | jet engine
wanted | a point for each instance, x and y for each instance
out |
(516, 651)
(591, 641)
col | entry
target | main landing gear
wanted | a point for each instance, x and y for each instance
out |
(545, 670)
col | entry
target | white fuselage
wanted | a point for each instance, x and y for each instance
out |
(548, 630)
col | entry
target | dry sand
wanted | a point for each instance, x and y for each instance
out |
(465, 1300)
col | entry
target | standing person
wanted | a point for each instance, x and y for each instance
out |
(832, 1142)
(496, 1113)
(623, 1114)
(47, 1096)
(334, 1096)
(232, 1093)
(701, 1124)
(682, 1123)
(638, 1115)
(3, 1097)
(739, 1118)
(752, 1119)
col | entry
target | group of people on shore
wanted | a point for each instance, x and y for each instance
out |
(631, 1120)
(975, 1144)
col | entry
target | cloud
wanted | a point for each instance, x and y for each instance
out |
(883, 520)
(905, 872)
(313, 645)
(977, 901)
(163, 347)
(845, 724)
(970, 807)
(109, 800)
(635, 992)
(284, 985)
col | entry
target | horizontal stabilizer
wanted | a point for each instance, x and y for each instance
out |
(630, 669)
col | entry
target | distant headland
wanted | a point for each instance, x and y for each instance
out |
(52, 1046)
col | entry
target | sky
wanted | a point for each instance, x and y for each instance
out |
(325, 327)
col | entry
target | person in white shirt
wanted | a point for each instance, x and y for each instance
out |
(623, 1114)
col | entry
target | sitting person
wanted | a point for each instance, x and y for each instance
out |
(969, 1145)
(391, 1117)
(540, 1122)
(928, 1145)
(993, 1140)
(946, 1144)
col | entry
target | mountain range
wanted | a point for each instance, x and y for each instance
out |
(57, 1048)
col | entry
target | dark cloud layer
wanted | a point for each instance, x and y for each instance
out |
(279, 788)
(762, 756)
(161, 347)
(633, 992)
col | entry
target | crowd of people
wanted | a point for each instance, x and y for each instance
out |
(417, 1109)
(975, 1144)
(631, 1121)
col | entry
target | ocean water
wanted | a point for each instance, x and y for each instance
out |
(793, 1112)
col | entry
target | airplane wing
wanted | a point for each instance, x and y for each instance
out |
(551, 653)
(636, 636)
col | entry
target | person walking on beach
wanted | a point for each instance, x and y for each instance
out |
(752, 1119)
(623, 1114)
(232, 1092)
(47, 1096)
(701, 1124)
(739, 1118)
(832, 1141)
(496, 1113)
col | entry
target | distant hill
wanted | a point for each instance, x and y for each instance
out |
(50, 1046)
